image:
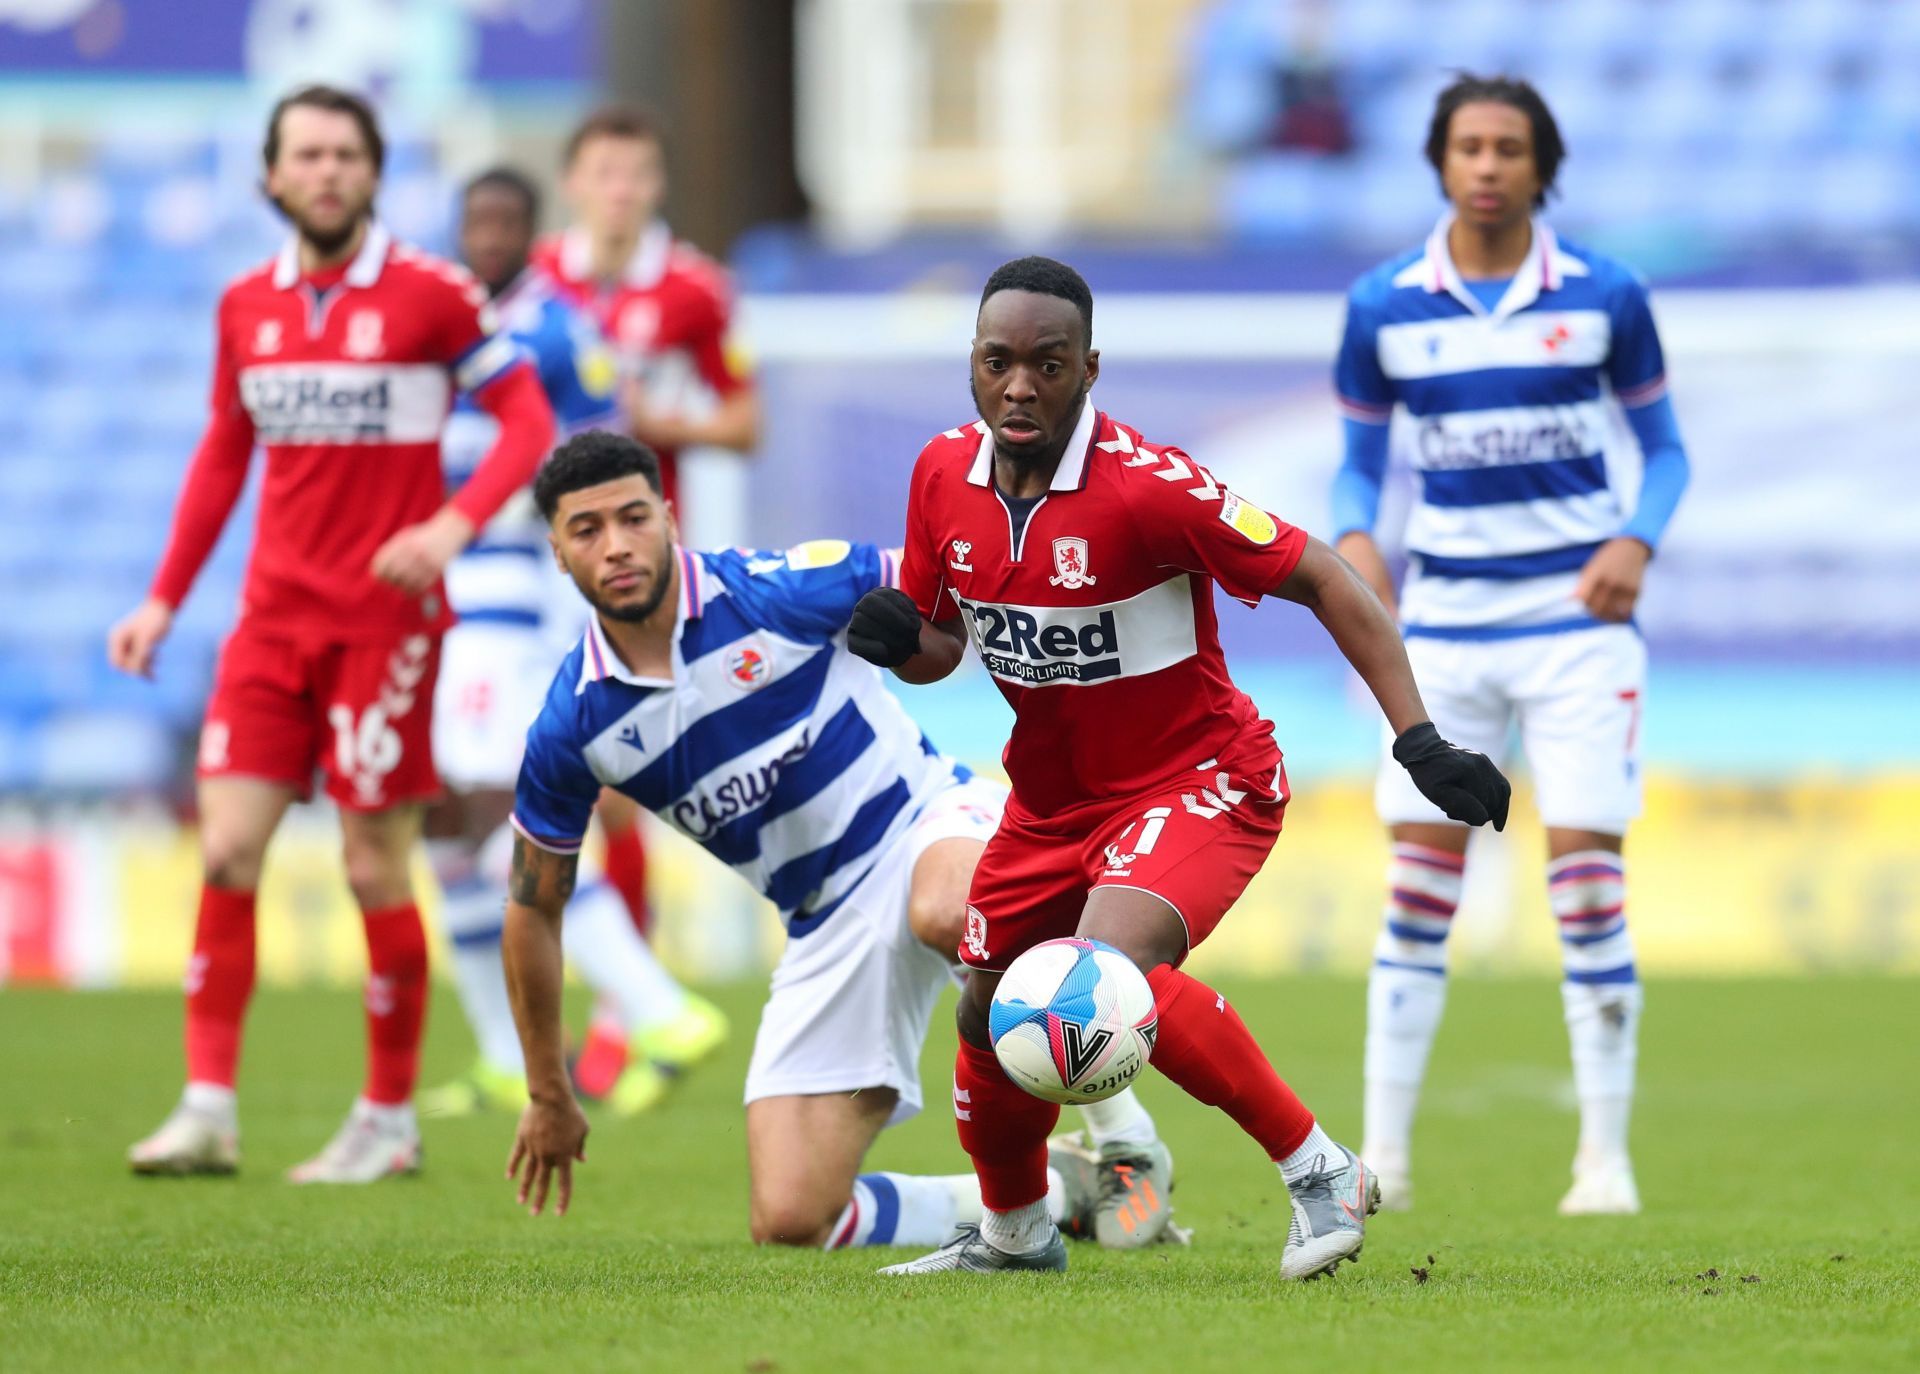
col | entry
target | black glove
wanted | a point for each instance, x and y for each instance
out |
(885, 629)
(1460, 782)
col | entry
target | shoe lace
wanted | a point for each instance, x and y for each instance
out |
(1117, 1175)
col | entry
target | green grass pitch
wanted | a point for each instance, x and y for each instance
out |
(1775, 1139)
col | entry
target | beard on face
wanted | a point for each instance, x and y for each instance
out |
(631, 612)
(328, 242)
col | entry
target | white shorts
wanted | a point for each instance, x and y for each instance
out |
(1577, 698)
(851, 1001)
(493, 679)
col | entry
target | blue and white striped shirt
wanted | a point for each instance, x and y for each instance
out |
(1512, 418)
(501, 578)
(772, 747)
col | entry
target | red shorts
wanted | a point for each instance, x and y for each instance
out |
(1194, 845)
(363, 713)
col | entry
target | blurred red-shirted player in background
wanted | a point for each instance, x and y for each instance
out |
(667, 309)
(340, 357)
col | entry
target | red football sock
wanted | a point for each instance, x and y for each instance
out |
(396, 1002)
(1004, 1129)
(602, 1059)
(219, 983)
(1206, 1048)
(626, 865)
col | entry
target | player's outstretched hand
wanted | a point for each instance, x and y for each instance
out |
(135, 636)
(552, 1135)
(413, 557)
(1459, 781)
(885, 629)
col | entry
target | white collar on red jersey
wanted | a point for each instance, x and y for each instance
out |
(1073, 463)
(643, 270)
(364, 270)
(1543, 269)
(600, 661)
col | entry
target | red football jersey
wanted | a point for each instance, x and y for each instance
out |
(346, 381)
(1097, 619)
(668, 318)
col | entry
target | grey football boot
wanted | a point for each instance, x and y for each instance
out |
(1119, 1194)
(1330, 1210)
(969, 1253)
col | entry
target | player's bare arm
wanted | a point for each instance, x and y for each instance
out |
(1462, 783)
(553, 1130)
(1610, 583)
(1360, 550)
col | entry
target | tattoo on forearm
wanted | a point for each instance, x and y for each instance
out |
(538, 878)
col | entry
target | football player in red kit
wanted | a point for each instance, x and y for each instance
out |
(1080, 560)
(340, 357)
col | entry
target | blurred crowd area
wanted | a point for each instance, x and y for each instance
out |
(1229, 149)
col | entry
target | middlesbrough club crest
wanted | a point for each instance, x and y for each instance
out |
(1070, 565)
(366, 333)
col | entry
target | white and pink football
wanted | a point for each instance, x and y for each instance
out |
(1073, 1021)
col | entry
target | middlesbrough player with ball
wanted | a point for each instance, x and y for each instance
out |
(340, 357)
(1080, 561)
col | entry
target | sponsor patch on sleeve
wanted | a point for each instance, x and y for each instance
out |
(817, 553)
(1249, 519)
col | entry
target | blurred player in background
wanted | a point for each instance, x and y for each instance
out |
(1503, 343)
(716, 690)
(340, 357)
(493, 674)
(667, 310)
(1147, 791)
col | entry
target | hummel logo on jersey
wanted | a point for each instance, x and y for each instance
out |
(1081, 1047)
(1070, 563)
(961, 548)
(1072, 647)
(266, 338)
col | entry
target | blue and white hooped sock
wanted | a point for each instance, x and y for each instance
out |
(1602, 993)
(472, 909)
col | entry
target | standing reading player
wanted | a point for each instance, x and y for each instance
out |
(1147, 791)
(340, 357)
(668, 312)
(1511, 351)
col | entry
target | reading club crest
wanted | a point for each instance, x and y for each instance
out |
(749, 666)
(1070, 563)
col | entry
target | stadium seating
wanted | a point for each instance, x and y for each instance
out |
(1799, 113)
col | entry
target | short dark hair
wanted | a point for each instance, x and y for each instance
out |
(1549, 150)
(508, 179)
(339, 102)
(1043, 277)
(611, 121)
(587, 460)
